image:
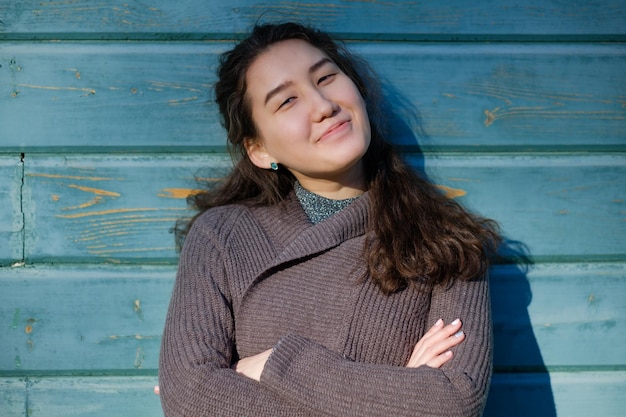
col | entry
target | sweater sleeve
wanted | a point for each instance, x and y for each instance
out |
(307, 373)
(195, 378)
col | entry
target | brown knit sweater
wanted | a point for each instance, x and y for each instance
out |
(251, 279)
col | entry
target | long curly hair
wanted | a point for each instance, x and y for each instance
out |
(416, 233)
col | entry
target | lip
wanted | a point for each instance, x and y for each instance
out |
(336, 127)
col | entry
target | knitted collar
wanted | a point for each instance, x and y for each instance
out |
(319, 208)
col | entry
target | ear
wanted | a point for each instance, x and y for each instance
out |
(257, 153)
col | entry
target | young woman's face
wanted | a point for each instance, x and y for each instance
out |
(309, 116)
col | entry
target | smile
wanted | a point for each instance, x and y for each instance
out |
(337, 128)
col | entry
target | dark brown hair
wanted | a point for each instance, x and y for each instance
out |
(415, 234)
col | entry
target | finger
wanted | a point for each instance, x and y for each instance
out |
(441, 353)
(439, 332)
(427, 350)
(434, 329)
(156, 390)
(438, 361)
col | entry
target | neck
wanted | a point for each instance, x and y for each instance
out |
(351, 185)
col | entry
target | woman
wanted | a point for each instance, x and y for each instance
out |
(323, 277)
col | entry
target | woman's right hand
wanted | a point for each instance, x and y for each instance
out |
(433, 349)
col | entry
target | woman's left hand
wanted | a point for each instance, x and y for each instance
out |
(252, 366)
(433, 349)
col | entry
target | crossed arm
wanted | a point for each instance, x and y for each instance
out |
(432, 350)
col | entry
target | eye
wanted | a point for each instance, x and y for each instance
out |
(286, 102)
(326, 78)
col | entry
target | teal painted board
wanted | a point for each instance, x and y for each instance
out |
(11, 220)
(560, 315)
(577, 394)
(109, 319)
(93, 397)
(12, 397)
(82, 318)
(398, 19)
(554, 96)
(109, 208)
(94, 97)
(563, 394)
(560, 206)
(105, 96)
(116, 208)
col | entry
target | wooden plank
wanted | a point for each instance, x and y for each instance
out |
(576, 394)
(11, 220)
(109, 208)
(405, 19)
(559, 206)
(116, 208)
(555, 314)
(82, 318)
(12, 397)
(151, 96)
(86, 396)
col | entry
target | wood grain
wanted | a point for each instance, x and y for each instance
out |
(109, 319)
(520, 109)
(144, 96)
(430, 19)
(11, 219)
(515, 395)
(113, 208)
(559, 393)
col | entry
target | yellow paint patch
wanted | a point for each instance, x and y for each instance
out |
(96, 191)
(490, 116)
(103, 213)
(73, 177)
(49, 87)
(182, 101)
(110, 251)
(452, 192)
(54, 197)
(89, 203)
(178, 192)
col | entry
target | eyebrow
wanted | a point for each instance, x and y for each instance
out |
(286, 84)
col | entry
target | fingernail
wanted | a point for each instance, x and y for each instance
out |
(459, 333)
(438, 322)
(455, 322)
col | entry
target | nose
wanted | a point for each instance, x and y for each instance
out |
(322, 107)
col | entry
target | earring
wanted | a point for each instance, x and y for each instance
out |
(274, 166)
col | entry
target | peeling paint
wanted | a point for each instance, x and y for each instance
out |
(74, 177)
(178, 192)
(140, 356)
(137, 308)
(95, 191)
(92, 202)
(452, 192)
(182, 101)
(129, 250)
(490, 116)
(89, 91)
(134, 336)
(16, 319)
(105, 212)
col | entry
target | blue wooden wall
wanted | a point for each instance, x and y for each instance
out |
(106, 117)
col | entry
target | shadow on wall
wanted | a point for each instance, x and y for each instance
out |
(520, 386)
(521, 383)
